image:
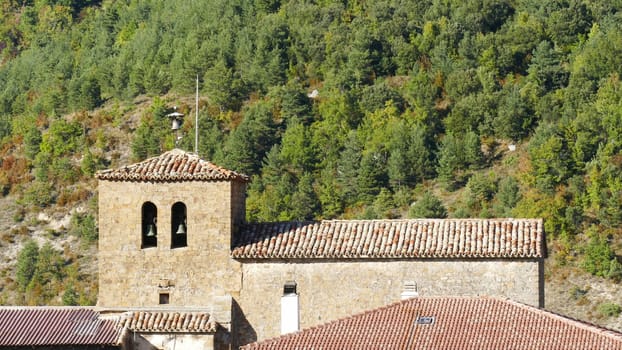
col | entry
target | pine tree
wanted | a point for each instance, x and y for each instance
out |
(427, 206)
(304, 202)
(348, 169)
(26, 264)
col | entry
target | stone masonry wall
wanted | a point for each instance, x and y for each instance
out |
(332, 290)
(196, 275)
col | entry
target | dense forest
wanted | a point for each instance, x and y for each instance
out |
(337, 109)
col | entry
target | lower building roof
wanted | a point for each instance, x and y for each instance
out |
(48, 326)
(83, 326)
(169, 322)
(450, 323)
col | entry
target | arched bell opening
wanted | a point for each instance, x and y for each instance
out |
(149, 225)
(179, 228)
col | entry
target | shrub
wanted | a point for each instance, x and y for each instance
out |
(62, 138)
(19, 214)
(70, 296)
(615, 270)
(64, 171)
(39, 194)
(609, 309)
(83, 226)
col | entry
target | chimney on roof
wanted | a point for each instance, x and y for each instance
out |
(290, 318)
(410, 290)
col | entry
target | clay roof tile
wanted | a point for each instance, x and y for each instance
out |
(26, 327)
(411, 238)
(174, 165)
(450, 323)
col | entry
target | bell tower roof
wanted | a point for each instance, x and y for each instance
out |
(172, 166)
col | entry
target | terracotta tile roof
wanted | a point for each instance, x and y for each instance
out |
(450, 323)
(174, 165)
(417, 238)
(46, 326)
(169, 321)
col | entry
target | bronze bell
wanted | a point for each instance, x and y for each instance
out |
(151, 232)
(181, 229)
(176, 124)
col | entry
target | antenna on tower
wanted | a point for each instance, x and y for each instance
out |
(196, 121)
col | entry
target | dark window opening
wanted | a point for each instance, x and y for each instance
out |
(289, 288)
(179, 228)
(149, 225)
(164, 298)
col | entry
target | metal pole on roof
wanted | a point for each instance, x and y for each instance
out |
(196, 121)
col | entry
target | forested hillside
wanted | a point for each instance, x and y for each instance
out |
(337, 109)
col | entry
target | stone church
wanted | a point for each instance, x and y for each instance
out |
(173, 237)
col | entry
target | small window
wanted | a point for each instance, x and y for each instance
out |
(164, 298)
(149, 225)
(424, 320)
(179, 228)
(289, 288)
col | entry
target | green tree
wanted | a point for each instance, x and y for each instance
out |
(598, 254)
(224, 86)
(296, 148)
(546, 67)
(32, 142)
(481, 188)
(84, 226)
(384, 206)
(566, 23)
(449, 159)
(62, 138)
(372, 176)
(88, 164)
(456, 156)
(348, 169)
(515, 117)
(294, 102)
(152, 133)
(375, 97)
(85, 92)
(550, 160)
(26, 264)
(410, 150)
(40, 193)
(304, 203)
(48, 273)
(251, 140)
(427, 206)
(472, 112)
(70, 296)
(508, 194)
(328, 193)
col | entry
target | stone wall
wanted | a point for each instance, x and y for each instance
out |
(332, 290)
(193, 275)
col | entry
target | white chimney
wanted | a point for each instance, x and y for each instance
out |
(410, 290)
(290, 318)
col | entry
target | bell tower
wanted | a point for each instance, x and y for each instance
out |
(165, 232)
